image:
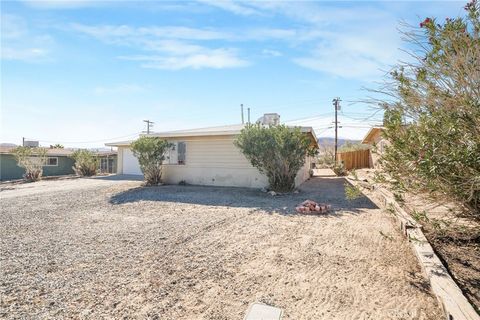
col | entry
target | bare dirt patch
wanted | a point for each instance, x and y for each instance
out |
(100, 249)
(454, 236)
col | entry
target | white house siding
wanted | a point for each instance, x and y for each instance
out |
(214, 161)
(304, 172)
(130, 163)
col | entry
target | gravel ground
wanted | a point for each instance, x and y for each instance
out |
(100, 248)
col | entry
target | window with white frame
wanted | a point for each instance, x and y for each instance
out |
(176, 154)
(52, 162)
(181, 151)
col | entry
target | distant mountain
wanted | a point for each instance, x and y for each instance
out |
(328, 141)
(6, 144)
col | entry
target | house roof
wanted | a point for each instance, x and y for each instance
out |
(57, 152)
(371, 134)
(208, 131)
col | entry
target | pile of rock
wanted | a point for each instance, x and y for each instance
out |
(309, 206)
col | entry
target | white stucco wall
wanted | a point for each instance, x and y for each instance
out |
(215, 161)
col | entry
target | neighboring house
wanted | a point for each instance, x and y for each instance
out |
(59, 163)
(207, 156)
(374, 137)
(107, 161)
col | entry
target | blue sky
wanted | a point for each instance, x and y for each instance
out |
(82, 73)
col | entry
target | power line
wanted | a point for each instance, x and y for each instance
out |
(364, 119)
(149, 125)
(91, 141)
(310, 117)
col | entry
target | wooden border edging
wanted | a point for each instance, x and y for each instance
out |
(454, 303)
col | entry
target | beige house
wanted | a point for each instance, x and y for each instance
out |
(374, 137)
(206, 156)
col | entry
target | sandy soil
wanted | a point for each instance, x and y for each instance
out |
(96, 248)
(455, 238)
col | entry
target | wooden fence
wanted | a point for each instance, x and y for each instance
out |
(354, 159)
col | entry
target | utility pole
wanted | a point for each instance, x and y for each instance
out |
(336, 104)
(149, 125)
(241, 107)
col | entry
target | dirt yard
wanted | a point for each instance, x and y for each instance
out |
(101, 248)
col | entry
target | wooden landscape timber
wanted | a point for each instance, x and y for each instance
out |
(455, 305)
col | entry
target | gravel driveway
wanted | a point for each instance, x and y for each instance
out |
(100, 248)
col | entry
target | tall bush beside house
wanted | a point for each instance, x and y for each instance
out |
(276, 151)
(150, 152)
(86, 163)
(32, 160)
(433, 120)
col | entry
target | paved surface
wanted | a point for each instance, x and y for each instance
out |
(102, 248)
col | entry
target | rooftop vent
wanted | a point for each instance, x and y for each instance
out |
(31, 143)
(269, 119)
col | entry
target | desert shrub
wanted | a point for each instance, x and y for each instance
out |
(32, 160)
(326, 155)
(339, 169)
(276, 151)
(432, 111)
(353, 146)
(86, 163)
(150, 152)
(352, 192)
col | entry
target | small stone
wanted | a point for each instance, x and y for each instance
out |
(272, 193)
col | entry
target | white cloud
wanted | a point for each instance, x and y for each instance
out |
(357, 41)
(271, 53)
(204, 58)
(25, 54)
(114, 33)
(353, 42)
(169, 48)
(236, 7)
(60, 4)
(13, 26)
(18, 42)
(359, 54)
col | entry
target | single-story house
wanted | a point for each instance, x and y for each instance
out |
(207, 156)
(375, 138)
(59, 163)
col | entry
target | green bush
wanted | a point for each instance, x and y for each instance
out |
(433, 122)
(32, 160)
(150, 152)
(276, 151)
(326, 155)
(339, 169)
(353, 146)
(86, 163)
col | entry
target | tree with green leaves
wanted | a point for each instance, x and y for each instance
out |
(32, 160)
(150, 152)
(86, 162)
(276, 151)
(432, 111)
